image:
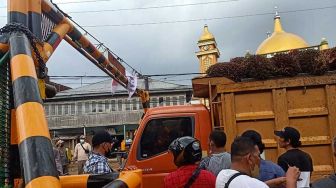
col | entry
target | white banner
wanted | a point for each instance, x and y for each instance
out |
(132, 83)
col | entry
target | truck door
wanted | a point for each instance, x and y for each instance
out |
(152, 149)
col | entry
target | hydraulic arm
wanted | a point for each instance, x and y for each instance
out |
(23, 39)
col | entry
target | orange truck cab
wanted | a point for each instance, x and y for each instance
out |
(157, 129)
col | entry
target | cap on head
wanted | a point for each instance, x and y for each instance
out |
(101, 137)
(290, 133)
(82, 137)
(187, 146)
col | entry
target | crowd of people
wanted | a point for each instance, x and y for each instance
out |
(243, 167)
(90, 159)
(63, 155)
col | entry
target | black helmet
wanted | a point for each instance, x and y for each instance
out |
(191, 147)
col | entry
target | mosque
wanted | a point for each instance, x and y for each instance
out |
(278, 41)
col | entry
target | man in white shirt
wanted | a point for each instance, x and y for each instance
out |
(245, 163)
(81, 154)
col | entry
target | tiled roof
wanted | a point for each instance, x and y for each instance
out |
(104, 87)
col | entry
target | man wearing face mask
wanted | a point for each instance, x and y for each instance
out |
(245, 163)
(270, 173)
(102, 143)
(81, 154)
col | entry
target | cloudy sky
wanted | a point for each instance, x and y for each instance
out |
(144, 39)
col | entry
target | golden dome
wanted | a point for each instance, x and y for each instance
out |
(280, 40)
(206, 35)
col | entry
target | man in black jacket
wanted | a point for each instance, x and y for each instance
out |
(289, 139)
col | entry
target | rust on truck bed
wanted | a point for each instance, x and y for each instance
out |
(305, 102)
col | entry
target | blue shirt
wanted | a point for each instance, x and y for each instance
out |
(269, 170)
(97, 164)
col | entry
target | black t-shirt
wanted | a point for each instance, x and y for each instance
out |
(298, 158)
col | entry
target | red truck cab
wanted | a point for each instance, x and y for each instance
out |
(157, 129)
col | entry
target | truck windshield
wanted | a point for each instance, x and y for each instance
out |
(159, 133)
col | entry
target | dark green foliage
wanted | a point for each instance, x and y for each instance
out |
(309, 61)
(258, 67)
(329, 57)
(237, 60)
(240, 62)
(319, 68)
(285, 65)
(230, 70)
(332, 59)
(306, 59)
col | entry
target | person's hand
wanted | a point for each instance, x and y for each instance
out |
(292, 176)
(276, 182)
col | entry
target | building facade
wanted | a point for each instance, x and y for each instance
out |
(89, 108)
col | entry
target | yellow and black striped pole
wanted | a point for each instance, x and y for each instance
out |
(15, 169)
(88, 181)
(54, 39)
(36, 153)
(17, 11)
(127, 179)
(35, 17)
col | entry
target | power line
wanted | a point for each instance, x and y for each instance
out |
(208, 19)
(100, 44)
(145, 75)
(203, 19)
(152, 7)
(74, 2)
(137, 8)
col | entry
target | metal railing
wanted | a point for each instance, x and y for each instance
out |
(94, 120)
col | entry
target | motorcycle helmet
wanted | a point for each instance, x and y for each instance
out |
(186, 150)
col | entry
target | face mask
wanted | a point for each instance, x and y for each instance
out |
(255, 171)
(108, 153)
(81, 141)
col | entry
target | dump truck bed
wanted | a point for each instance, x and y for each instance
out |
(305, 102)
